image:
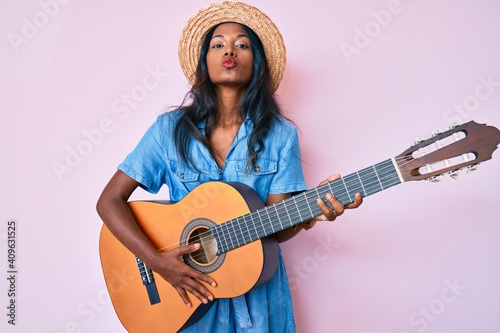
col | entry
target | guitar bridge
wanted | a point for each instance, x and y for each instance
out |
(148, 280)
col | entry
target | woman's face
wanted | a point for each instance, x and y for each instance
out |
(229, 56)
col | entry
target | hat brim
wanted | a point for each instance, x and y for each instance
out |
(199, 24)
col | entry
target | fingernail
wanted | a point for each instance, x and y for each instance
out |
(211, 298)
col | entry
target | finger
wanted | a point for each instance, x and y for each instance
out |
(328, 214)
(197, 289)
(323, 207)
(186, 249)
(204, 278)
(184, 297)
(195, 276)
(331, 178)
(338, 208)
(358, 200)
(203, 296)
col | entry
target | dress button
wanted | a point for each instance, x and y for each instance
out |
(182, 176)
(256, 169)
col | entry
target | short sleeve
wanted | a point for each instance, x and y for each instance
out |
(147, 163)
(289, 177)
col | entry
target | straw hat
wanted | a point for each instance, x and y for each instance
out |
(199, 24)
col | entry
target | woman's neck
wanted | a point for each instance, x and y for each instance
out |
(228, 106)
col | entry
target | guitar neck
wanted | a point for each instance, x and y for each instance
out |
(302, 207)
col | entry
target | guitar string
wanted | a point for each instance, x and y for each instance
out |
(283, 210)
(400, 161)
(212, 240)
(206, 237)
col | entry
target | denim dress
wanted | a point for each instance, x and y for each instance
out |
(154, 163)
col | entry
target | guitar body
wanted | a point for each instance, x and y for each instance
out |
(166, 226)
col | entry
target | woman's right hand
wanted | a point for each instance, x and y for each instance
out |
(185, 279)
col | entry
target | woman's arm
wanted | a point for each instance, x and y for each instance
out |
(113, 209)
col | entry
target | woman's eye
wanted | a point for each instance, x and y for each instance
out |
(217, 46)
(242, 46)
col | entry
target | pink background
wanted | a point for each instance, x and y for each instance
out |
(420, 257)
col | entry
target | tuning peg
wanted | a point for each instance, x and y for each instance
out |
(419, 140)
(454, 174)
(436, 133)
(434, 179)
(471, 168)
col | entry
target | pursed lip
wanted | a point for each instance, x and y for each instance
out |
(229, 63)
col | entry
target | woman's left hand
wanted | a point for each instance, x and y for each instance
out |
(338, 208)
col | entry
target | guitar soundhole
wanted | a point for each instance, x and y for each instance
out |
(205, 259)
(208, 250)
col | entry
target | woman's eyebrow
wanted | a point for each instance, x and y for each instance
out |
(222, 36)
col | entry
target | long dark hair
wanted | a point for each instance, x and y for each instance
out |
(258, 103)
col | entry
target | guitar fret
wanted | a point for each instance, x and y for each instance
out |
(213, 232)
(310, 209)
(387, 173)
(228, 225)
(224, 234)
(270, 220)
(298, 210)
(288, 214)
(346, 190)
(370, 181)
(339, 194)
(248, 230)
(278, 216)
(254, 227)
(317, 192)
(220, 239)
(237, 235)
(255, 233)
(355, 185)
(376, 174)
(361, 182)
(241, 236)
(257, 224)
(261, 222)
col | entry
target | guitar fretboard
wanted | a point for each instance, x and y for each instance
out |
(302, 207)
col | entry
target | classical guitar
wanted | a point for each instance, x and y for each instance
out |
(236, 232)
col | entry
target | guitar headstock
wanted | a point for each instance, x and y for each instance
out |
(461, 146)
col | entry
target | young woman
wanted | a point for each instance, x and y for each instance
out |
(230, 129)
